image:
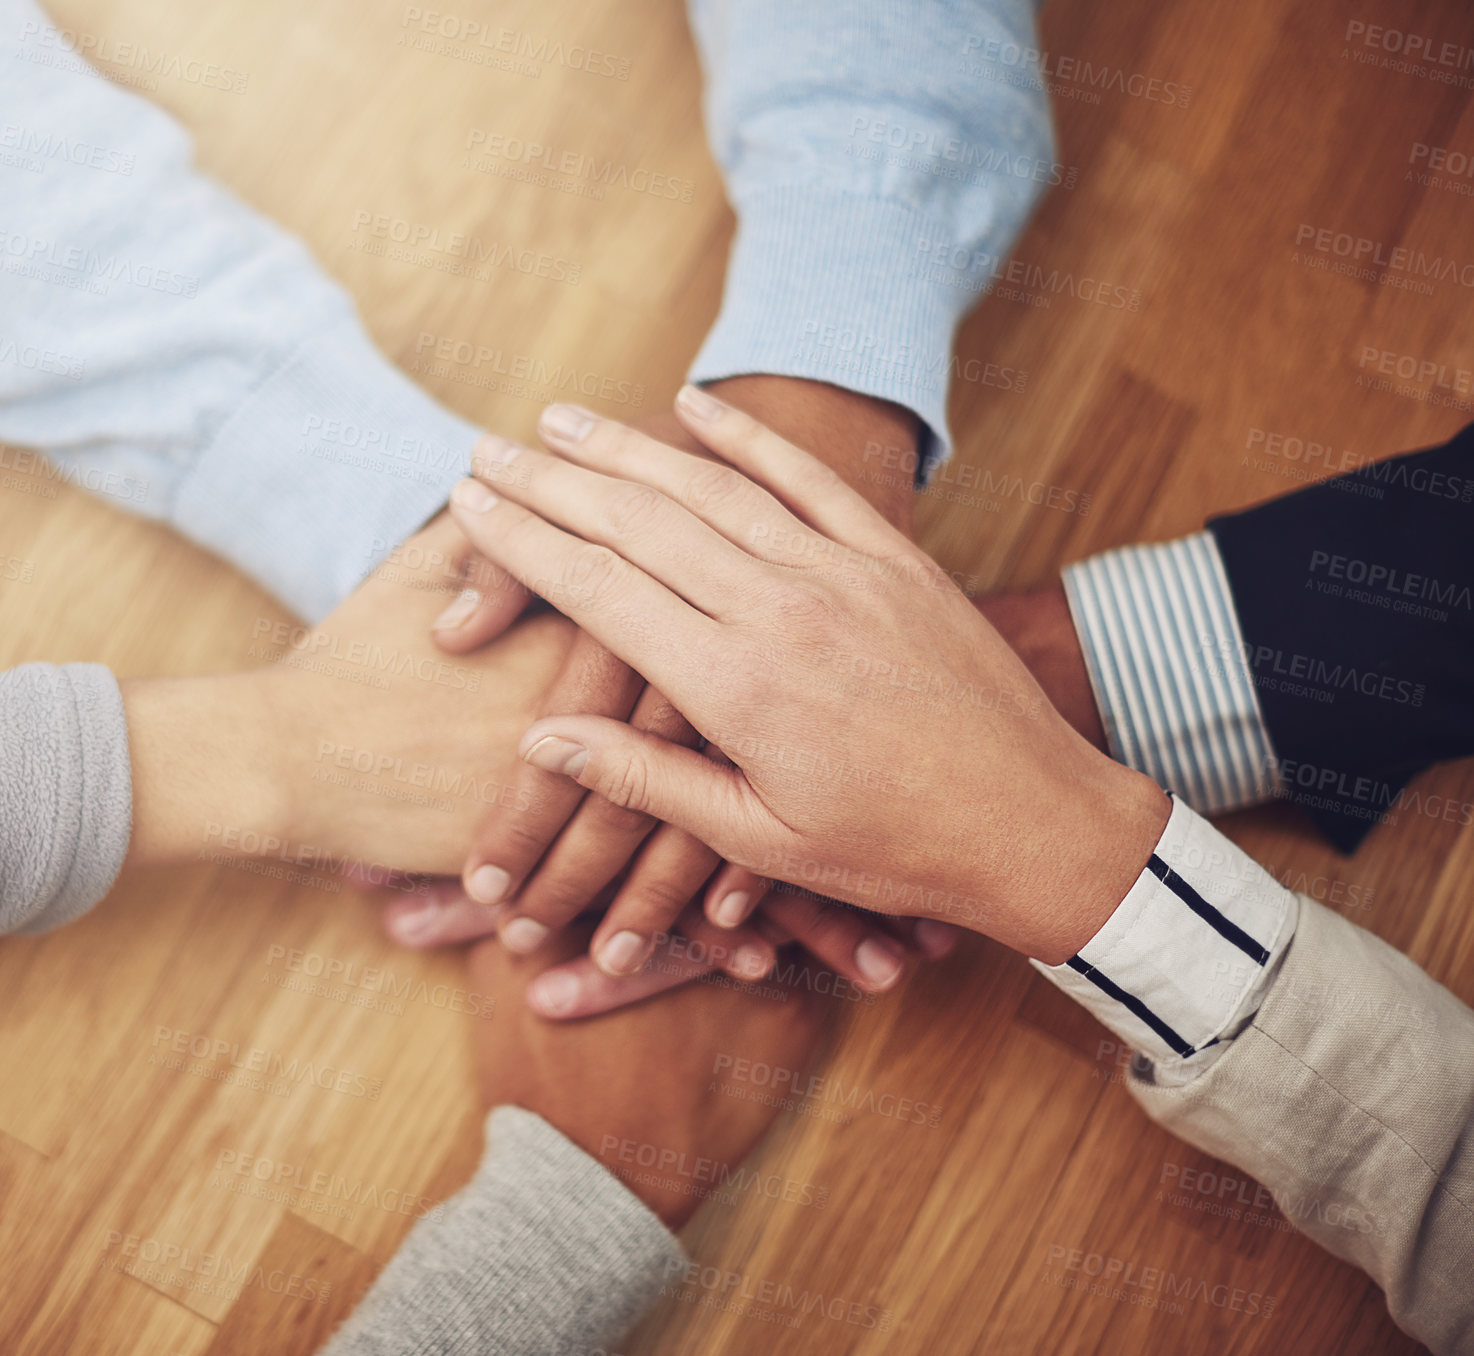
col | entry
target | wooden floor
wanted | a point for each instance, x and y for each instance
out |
(945, 1238)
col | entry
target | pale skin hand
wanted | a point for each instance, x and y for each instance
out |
(642, 1081)
(532, 872)
(888, 744)
(365, 749)
(340, 745)
(369, 752)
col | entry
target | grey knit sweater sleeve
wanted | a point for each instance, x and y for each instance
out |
(66, 792)
(543, 1251)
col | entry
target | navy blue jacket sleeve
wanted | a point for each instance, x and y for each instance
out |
(1356, 601)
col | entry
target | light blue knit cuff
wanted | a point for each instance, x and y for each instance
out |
(840, 287)
(1166, 661)
(331, 461)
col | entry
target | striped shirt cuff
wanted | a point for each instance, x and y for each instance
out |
(1184, 962)
(1166, 661)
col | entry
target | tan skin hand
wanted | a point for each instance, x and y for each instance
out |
(648, 1075)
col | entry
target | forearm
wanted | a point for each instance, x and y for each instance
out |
(1351, 1098)
(1356, 627)
(197, 365)
(64, 792)
(838, 129)
(203, 768)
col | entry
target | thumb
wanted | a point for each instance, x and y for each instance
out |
(489, 599)
(641, 771)
(479, 614)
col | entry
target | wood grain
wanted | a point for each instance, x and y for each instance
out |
(933, 1238)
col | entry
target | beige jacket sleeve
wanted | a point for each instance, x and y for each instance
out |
(1351, 1097)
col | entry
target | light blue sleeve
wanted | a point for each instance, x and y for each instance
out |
(169, 348)
(882, 157)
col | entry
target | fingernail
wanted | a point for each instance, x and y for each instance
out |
(553, 993)
(459, 612)
(416, 926)
(554, 754)
(623, 953)
(569, 422)
(700, 404)
(492, 450)
(473, 496)
(935, 939)
(497, 468)
(752, 962)
(522, 935)
(731, 909)
(487, 884)
(879, 966)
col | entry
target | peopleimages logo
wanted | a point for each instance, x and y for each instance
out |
(1362, 797)
(776, 1079)
(1149, 1287)
(1205, 1191)
(1411, 47)
(87, 269)
(1375, 254)
(271, 1179)
(291, 1071)
(1389, 579)
(995, 58)
(1307, 675)
(707, 1178)
(734, 1290)
(38, 145)
(161, 1261)
(456, 252)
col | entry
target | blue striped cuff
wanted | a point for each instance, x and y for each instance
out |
(1166, 662)
(1184, 962)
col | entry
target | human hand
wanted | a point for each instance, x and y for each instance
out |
(651, 1078)
(793, 644)
(533, 871)
(360, 745)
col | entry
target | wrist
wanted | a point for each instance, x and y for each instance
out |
(205, 766)
(1039, 628)
(857, 435)
(671, 1205)
(1111, 821)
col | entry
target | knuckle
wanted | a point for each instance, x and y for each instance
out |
(555, 896)
(521, 840)
(659, 897)
(817, 478)
(629, 787)
(711, 487)
(591, 575)
(618, 821)
(629, 508)
(745, 675)
(800, 605)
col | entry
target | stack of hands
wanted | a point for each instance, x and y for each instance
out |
(835, 748)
